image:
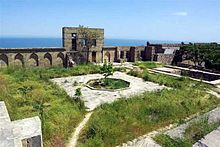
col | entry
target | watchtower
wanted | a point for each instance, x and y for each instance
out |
(83, 44)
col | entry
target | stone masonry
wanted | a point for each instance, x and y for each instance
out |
(19, 133)
(76, 50)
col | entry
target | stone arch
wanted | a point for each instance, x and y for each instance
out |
(47, 60)
(33, 60)
(3, 60)
(19, 60)
(107, 57)
(60, 59)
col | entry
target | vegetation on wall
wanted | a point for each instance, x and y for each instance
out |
(194, 132)
(88, 35)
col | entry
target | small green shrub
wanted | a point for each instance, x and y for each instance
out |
(166, 141)
(107, 69)
(198, 129)
(146, 76)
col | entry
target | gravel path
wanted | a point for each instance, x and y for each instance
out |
(75, 136)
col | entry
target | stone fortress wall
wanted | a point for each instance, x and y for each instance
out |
(74, 52)
(30, 57)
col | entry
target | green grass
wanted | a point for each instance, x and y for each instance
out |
(166, 141)
(169, 81)
(148, 64)
(108, 83)
(126, 119)
(23, 89)
(110, 124)
(194, 132)
(198, 129)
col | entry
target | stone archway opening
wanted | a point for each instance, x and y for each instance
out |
(19, 60)
(3, 60)
(60, 60)
(33, 60)
(47, 60)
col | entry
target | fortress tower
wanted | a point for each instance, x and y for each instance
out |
(81, 47)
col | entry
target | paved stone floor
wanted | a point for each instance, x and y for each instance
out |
(94, 98)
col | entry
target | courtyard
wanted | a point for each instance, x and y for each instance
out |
(94, 97)
(150, 101)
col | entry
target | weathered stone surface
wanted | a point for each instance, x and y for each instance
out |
(178, 132)
(34, 57)
(14, 134)
(210, 140)
(75, 51)
(94, 98)
(144, 142)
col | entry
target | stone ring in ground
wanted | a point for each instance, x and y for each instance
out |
(108, 84)
(93, 98)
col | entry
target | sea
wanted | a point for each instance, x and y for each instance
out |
(57, 42)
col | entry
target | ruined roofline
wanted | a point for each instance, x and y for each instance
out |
(24, 50)
(124, 46)
(30, 48)
(78, 28)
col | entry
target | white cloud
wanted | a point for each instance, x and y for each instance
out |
(180, 13)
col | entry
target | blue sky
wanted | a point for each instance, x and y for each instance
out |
(180, 20)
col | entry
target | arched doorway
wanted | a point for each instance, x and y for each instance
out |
(60, 59)
(47, 60)
(19, 60)
(33, 60)
(107, 57)
(3, 60)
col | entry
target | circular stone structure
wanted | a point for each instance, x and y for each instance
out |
(109, 84)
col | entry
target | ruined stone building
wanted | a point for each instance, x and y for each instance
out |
(77, 49)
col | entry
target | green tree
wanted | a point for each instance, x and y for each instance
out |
(89, 35)
(208, 53)
(107, 69)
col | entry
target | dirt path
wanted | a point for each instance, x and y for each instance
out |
(75, 136)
